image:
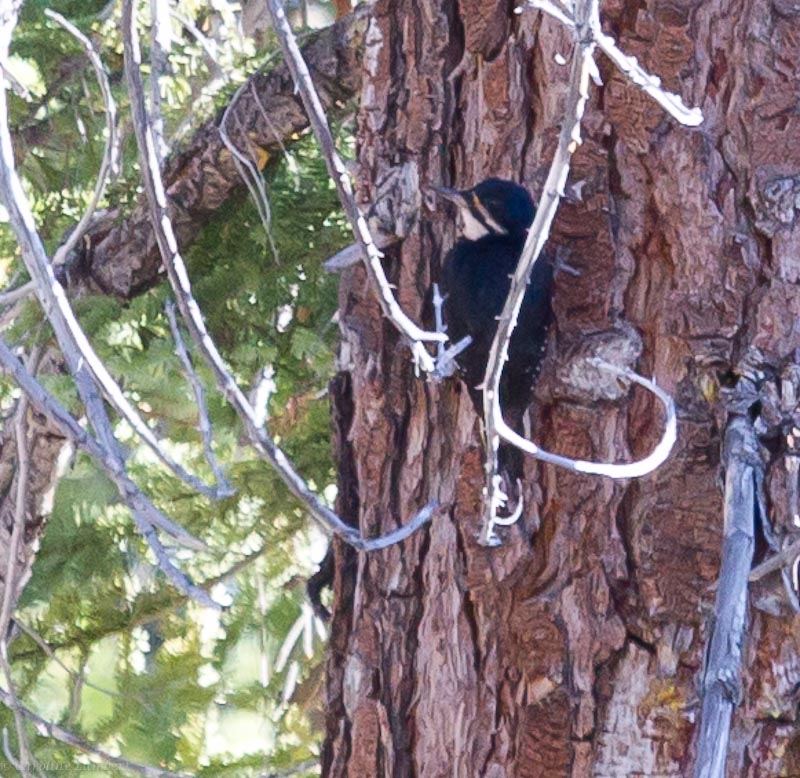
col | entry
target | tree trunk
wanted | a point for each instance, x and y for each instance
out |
(575, 648)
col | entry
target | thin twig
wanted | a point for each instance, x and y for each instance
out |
(146, 516)
(223, 486)
(401, 533)
(110, 161)
(209, 45)
(341, 178)
(51, 654)
(551, 8)
(249, 172)
(12, 296)
(192, 316)
(49, 729)
(160, 44)
(11, 582)
(9, 754)
(786, 556)
(45, 403)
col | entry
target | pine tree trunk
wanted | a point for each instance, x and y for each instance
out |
(575, 648)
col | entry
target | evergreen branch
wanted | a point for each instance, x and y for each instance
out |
(51, 730)
(50, 652)
(130, 493)
(145, 514)
(143, 616)
(254, 421)
(78, 353)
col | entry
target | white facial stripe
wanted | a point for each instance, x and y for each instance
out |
(473, 229)
(486, 217)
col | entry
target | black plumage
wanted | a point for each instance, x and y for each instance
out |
(495, 217)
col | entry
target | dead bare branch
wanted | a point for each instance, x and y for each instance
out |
(223, 486)
(341, 178)
(254, 421)
(577, 95)
(629, 66)
(650, 84)
(110, 162)
(721, 682)
(585, 22)
(85, 366)
(786, 556)
(11, 588)
(119, 255)
(160, 44)
(248, 169)
(12, 296)
(78, 353)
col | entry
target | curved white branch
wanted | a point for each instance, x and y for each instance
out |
(578, 92)
(611, 470)
(650, 84)
(585, 21)
(629, 66)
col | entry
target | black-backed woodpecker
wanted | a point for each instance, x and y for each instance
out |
(494, 219)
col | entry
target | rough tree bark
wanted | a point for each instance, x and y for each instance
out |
(576, 647)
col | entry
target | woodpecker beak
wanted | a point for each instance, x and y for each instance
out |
(452, 196)
(476, 221)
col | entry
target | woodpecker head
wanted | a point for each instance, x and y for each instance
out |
(493, 207)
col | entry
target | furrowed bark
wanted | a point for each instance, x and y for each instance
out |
(576, 647)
